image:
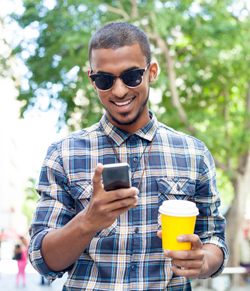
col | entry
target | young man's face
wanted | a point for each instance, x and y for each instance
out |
(127, 108)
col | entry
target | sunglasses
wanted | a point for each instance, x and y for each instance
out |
(131, 79)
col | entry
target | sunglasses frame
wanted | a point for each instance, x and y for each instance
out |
(140, 71)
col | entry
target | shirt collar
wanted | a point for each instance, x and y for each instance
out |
(119, 136)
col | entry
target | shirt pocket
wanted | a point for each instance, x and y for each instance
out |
(81, 191)
(174, 189)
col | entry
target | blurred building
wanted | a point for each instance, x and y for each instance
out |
(11, 176)
(11, 188)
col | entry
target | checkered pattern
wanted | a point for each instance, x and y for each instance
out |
(128, 255)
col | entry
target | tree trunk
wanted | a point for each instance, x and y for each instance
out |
(236, 212)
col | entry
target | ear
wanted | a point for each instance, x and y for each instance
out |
(153, 72)
(93, 84)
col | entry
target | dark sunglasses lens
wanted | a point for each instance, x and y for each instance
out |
(104, 82)
(132, 79)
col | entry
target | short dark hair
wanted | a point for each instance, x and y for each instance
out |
(119, 34)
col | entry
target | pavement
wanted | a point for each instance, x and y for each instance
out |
(8, 271)
(198, 286)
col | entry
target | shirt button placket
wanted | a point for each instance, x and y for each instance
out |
(135, 159)
(134, 163)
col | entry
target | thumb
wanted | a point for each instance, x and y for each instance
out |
(97, 176)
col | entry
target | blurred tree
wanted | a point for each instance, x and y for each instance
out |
(30, 199)
(202, 48)
(5, 52)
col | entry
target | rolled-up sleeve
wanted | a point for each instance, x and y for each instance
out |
(210, 224)
(54, 209)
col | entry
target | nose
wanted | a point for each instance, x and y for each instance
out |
(119, 89)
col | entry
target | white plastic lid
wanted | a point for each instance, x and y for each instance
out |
(179, 208)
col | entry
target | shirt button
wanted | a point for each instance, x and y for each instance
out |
(133, 138)
(135, 160)
(133, 268)
(136, 230)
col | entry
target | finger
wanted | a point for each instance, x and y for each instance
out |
(188, 264)
(121, 208)
(193, 238)
(182, 255)
(182, 272)
(118, 198)
(196, 254)
(159, 233)
(171, 254)
(97, 182)
(124, 193)
(121, 204)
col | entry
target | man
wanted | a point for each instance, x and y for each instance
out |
(112, 240)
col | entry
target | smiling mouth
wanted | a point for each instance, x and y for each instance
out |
(124, 103)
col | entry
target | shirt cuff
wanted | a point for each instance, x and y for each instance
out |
(222, 245)
(36, 258)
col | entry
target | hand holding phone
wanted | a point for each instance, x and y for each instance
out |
(116, 176)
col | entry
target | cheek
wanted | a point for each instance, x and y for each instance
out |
(101, 95)
(143, 92)
(103, 98)
(145, 85)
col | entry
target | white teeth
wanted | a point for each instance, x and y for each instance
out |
(123, 103)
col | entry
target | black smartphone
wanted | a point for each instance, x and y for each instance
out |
(116, 176)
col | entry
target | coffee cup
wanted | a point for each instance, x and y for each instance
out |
(177, 217)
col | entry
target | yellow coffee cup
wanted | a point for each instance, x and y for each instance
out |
(177, 217)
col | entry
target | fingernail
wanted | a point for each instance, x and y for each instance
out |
(180, 238)
(166, 253)
(98, 167)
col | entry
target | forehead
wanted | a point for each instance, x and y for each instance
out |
(117, 60)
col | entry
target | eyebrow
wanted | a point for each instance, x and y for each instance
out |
(125, 71)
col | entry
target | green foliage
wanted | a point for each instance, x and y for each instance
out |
(208, 42)
(30, 199)
(225, 188)
(4, 55)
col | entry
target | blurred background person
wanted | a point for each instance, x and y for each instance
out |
(21, 250)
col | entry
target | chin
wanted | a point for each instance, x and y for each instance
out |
(125, 120)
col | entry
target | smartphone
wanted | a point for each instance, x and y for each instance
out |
(116, 176)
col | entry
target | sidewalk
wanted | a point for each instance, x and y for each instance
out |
(8, 271)
(220, 288)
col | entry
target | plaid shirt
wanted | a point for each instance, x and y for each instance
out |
(128, 255)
